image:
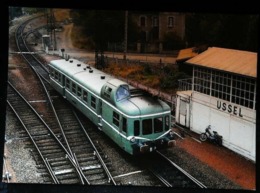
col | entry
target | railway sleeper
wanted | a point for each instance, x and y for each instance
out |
(97, 176)
(47, 152)
(82, 156)
(101, 181)
(70, 181)
(91, 167)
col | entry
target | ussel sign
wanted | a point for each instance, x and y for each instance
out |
(229, 108)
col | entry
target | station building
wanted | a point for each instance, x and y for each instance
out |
(221, 93)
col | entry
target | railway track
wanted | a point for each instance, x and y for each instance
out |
(86, 163)
(20, 37)
(80, 145)
(89, 165)
(169, 173)
(173, 175)
(52, 155)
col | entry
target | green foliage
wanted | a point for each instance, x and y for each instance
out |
(30, 10)
(170, 77)
(223, 30)
(104, 26)
(171, 41)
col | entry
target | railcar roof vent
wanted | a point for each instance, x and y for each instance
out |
(102, 77)
(78, 65)
(90, 71)
(88, 67)
(71, 61)
(85, 68)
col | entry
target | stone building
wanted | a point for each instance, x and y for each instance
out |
(155, 26)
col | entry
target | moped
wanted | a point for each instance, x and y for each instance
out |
(212, 136)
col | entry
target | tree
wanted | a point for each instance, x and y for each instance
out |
(223, 30)
(104, 26)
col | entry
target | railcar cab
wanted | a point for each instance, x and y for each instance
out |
(114, 91)
(136, 121)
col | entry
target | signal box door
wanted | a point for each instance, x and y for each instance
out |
(184, 118)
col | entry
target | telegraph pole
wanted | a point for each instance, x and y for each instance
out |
(51, 26)
(125, 41)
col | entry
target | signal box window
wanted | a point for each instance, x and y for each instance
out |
(158, 125)
(116, 119)
(147, 126)
(136, 128)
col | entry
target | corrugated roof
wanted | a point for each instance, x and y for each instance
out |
(186, 54)
(236, 61)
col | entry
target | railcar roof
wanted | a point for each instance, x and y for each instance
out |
(135, 106)
(88, 77)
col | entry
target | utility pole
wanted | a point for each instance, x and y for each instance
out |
(125, 41)
(51, 27)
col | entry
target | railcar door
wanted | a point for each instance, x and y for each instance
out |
(63, 85)
(123, 131)
(184, 118)
(100, 115)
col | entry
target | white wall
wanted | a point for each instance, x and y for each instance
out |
(235, 123)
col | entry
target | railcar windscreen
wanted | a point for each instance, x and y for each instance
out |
(122, 93)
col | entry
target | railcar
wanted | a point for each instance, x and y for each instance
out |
(135, 120)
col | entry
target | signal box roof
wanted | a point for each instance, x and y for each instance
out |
(229, 60)
(186, 54)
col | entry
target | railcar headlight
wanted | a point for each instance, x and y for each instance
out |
(132, 139)
(171, 133)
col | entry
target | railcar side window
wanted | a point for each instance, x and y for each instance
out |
(74, 88)
(158, 125)
(93, 102)
(51, 72)
(79, 92)
(166, 122)
(107, 92)
(59, 77)
(56, 75)
(124, 128)
(136, 128)
(147, 126)
(67, 83)
(116, 118)
(85, 96)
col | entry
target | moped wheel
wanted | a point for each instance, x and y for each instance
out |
(203, 137)
(219, 141)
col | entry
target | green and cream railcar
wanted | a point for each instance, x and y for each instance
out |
(136, 121)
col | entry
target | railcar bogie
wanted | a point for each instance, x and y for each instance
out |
(136, 121)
